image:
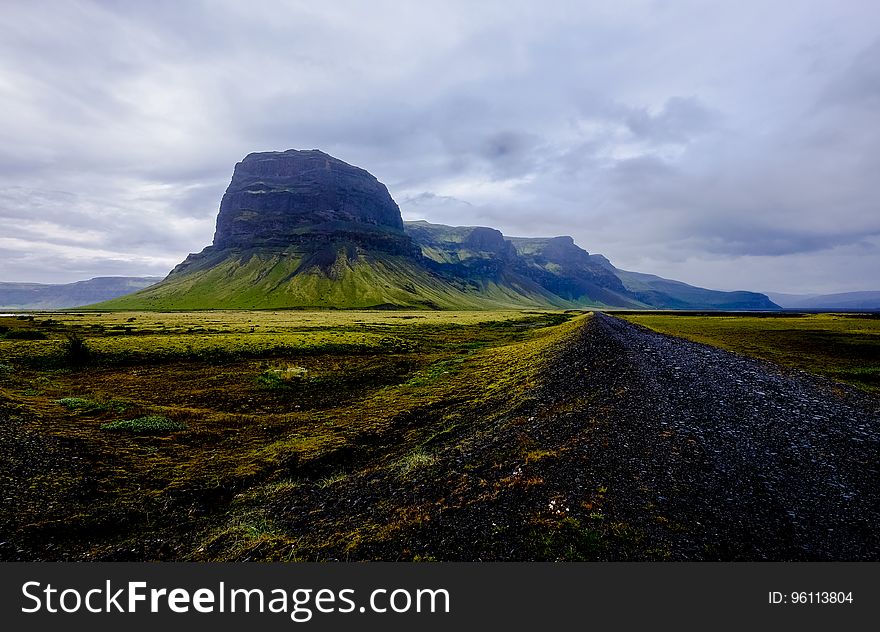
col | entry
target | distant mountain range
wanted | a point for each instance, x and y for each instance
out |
(61, 295)
(558, 270)
(845, 301)
(303, 229)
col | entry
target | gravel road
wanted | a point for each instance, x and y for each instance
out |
(718, 456)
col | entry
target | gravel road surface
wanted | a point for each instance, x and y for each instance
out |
(718, 456)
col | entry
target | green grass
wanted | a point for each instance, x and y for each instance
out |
(355, 397)
(150, 424)
(282, 377)
(91, 406)
(81, 404)
(273, 279)
(415, 461)
(843, 347)
(332, 480)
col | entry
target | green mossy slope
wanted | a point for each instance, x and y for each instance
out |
(276, 279)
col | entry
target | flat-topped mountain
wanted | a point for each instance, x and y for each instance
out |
(280, 198)
(304, 229)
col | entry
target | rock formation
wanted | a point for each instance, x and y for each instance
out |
(302, 197)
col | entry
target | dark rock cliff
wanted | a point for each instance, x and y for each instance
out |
(297, 197)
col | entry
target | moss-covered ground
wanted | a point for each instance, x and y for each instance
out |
(233, 435)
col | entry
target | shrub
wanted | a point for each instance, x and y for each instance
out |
(25, 334)
(151, 424)
(76, 351)
(80, 404)
(415, 461)
(279, 378)
(331, 480)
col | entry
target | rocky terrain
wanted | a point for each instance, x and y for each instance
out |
(642, 446)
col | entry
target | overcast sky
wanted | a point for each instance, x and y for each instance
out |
(733, 145)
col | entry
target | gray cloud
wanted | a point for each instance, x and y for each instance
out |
(712, 143)
(859, 84)
(680, 119)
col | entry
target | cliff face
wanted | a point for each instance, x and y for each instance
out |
(569, 271)
(275, 198)
(558, 268)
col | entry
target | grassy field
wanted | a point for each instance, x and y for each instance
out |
(185, 435)
(328, 435)
(844, 347)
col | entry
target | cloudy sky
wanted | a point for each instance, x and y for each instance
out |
(734, 145)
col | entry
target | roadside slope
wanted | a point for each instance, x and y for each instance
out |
(632, 446)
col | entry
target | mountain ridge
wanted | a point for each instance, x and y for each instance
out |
(863, 300)
(20, 296)
(302, 229)
(571, 273)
